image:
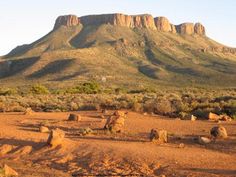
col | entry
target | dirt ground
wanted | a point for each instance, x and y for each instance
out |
(105, 154)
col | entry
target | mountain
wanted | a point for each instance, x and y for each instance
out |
(124, 50)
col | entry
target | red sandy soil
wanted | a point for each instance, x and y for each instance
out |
(104, 154)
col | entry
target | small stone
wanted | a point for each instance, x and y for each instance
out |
(74, 117)
(203, 140)
(181, 145)
(56, 138)
(28, 111)
(85, 131)
(8, 171)
(44, 129)
(193, 118)
(219, 132)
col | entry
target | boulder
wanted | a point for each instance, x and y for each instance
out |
(8, 171)
(219, 132)
(160, 136)
(213, 117)
(116, 122)
(203, 140)
(56, 138)
(225, 118)
(74, 117)
(44, 129)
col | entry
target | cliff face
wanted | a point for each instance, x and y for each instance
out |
(163, 24)
(135, 21)
(67, 20)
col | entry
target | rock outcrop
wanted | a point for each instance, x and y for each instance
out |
(139, 21)
(199, 29)
(67, 20)
(163, 24)
(185, 28)
(131, 21)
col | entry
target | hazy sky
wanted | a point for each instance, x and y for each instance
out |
(24, 21)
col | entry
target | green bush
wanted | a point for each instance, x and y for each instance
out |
(39, 89)
(86, 88)
(8, 91)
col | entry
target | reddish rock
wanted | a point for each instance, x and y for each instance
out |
(219, 132)
(214, 117)
(131, 21)
(8, 171)
(185, 28)
(163, 24)
(56, 138)
(144, 21)
(67, 20)
(160, 136)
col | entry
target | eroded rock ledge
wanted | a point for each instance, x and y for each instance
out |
(131, 21)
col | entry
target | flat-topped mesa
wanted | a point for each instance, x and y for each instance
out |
(139, 21)
(67, 20)
(131, 21)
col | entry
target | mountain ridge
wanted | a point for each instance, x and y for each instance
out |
(131, 21)
(123, 49)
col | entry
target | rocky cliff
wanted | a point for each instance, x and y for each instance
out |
(132, 21)
(67, 20)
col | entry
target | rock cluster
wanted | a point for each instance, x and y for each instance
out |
(216, 117)
(131, 21)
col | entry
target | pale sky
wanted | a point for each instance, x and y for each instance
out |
(24, 21)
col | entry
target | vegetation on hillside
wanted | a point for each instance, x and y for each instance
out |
(91, 96)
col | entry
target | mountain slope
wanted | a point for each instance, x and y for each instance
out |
(123, 49)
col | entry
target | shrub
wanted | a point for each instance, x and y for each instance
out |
(163, 107)
(39, 89)
(8, 91)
